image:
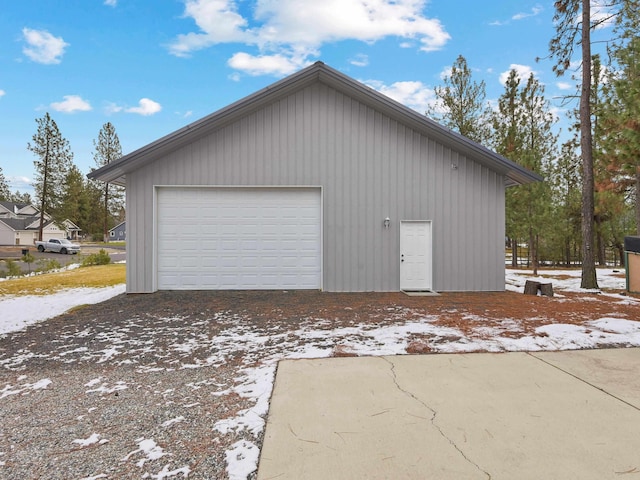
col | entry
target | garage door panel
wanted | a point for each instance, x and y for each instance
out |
(239, 238)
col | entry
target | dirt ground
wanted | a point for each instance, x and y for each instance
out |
(83, 394)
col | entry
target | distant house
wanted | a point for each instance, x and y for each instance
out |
(315, 182)
(118, 233)
(20, 224)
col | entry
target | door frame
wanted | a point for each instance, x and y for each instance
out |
(427, 284)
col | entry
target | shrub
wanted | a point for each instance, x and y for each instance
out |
(46, 264)
(100, 258)
(13, 269)
(28, 258)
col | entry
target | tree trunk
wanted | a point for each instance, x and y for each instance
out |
(45, 187)
(620, 248)
(638, 200)
(589, 279)
(533, 252)
(105, 231)
(600, 243)
(514, 253)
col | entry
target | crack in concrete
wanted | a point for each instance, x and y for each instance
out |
(434, 414)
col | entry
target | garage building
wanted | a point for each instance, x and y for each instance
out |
(315, 182)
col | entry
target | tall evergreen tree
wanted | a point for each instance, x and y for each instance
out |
(107, 150)
(18, 197)
(573, 27)
(539, 148)
(5, 193)
(53, 162)
(523, 132)
(462, 103)
(507, 140)
(75, 200)
(621, 122)
(566, 200)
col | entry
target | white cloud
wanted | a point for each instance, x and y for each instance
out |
(523, 72)
(2, 93)
(285, 22)
(413, 94)
(71, 104)
(145, 107)
(601, 14)
(360, 60)
(111, 3)
(537, 10)
(565, 85)
(42, 47)
(20, 183)
(219, 22)
(112, 108)
(266, 64)
(287, 28)
(446, 72)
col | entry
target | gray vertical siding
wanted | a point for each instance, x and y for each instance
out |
(370, 166)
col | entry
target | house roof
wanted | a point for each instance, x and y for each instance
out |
(15, 207)
(116, 171)
(118, 226)
(26, 223)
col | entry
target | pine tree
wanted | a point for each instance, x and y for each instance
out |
(54, 160)
(107, 150)
(507, 141)
(523, 132)
(5, 193)
(75, 201)
(565, 184)
(462, 103)
(18, 197)
(621, 122)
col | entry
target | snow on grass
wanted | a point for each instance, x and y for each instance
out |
(19, 312)
(566, 280)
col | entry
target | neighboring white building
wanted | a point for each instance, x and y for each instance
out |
(315, 182)
(20, 224)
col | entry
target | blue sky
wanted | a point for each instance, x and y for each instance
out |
(151, 67)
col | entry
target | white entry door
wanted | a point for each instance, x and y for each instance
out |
(415, 256)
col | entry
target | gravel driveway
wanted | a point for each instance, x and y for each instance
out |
(177, 384)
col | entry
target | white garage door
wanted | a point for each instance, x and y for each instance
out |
(238, 238)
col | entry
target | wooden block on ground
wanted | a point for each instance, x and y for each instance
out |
(546, 289)
(531, 287)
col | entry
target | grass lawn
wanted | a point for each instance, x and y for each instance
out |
(93, 276)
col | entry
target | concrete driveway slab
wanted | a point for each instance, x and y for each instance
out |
(615, 371)
(474, 416)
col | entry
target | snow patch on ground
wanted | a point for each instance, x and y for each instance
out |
(18, 312)
(261, 351)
